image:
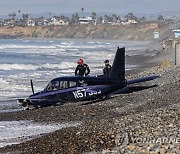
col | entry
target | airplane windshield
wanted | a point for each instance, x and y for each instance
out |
(52, 86)
(58, 85)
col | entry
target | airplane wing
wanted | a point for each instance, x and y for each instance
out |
(148, 78)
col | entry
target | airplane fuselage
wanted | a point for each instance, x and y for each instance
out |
(73, 89)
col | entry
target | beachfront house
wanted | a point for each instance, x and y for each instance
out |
(57, 21)
(7, 22)
(131, 21)
(30, 22)
(86, 20)
(40, 21)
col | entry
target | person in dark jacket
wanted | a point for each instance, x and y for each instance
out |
(82, 69)
(107, 68)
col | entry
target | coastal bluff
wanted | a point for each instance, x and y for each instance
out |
(139, 31)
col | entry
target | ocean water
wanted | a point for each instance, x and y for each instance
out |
(15, 132)
(44, 59)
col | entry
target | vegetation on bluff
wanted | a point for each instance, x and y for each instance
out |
(139, 31)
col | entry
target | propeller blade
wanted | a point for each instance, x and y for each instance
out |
(32, 87)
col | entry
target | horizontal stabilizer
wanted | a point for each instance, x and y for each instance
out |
(148, 78)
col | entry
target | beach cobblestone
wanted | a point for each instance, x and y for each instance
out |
(142, 121)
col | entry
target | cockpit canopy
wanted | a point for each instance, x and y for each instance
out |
(59, 84)
(75, 81)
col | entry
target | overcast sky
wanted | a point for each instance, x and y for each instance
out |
(72, 6)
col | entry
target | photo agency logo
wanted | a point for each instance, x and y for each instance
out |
(122, 139)
(125, 138)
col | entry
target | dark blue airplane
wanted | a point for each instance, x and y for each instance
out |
(79, 88)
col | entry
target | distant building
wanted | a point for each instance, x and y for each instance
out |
(176, 33)
(45, 22)
(1, 22)
(128, 22)
(57, 21)
(131, 21)
(156, 35)
(39, 21)
(86, 20)
(21, 22)
(30, 22)
(8, 22)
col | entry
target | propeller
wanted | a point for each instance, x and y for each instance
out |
(32, 87)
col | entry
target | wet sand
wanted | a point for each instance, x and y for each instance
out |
(145, 120)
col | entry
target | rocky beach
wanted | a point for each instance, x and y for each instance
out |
(144, 120)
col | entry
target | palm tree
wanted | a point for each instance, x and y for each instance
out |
(114, 16)
(99, 20)
(152, 17)
(13, 16)
(10, 15)
(94, 15)
(76, 18)
(19, 11)
(25, 16)
(50, 14)
(105, 18)
(160, 18)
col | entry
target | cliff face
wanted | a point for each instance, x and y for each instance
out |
(140, 31)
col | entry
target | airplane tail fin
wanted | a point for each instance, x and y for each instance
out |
(118, 67)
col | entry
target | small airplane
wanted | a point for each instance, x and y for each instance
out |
(80, 88)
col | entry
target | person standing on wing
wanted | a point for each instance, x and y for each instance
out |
(82, 69)
(107, 68)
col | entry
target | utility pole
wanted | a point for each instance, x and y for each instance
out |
(177, 54)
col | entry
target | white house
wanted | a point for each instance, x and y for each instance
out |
(57, 21)
(86, 20)
(131, 21)
(30, 22)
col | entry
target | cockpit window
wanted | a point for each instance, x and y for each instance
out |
(57, 85)
(63, 84)
(52, 86)
(72, 84)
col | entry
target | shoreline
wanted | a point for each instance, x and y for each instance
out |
(152, 112)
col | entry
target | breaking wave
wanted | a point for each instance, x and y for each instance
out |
(26, 47)
(63, 65)
(15, 132)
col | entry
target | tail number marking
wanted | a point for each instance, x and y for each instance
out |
(82, 93)
(94, 93)
(78, 94)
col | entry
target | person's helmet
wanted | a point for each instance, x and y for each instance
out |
(80, 61)
(106, 61)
